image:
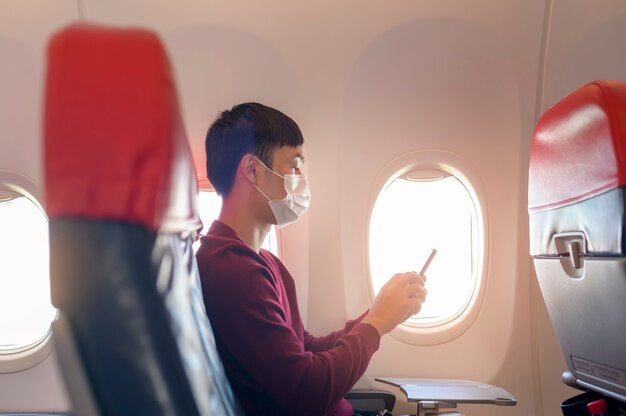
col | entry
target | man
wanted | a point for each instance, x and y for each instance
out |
(254, 161)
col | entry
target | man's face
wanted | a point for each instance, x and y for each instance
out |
(286, 160)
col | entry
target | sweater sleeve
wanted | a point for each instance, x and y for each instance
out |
(319, 344)
(245, 309)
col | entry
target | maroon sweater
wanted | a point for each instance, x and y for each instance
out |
(274, 365)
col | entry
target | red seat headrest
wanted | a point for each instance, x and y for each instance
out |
(115, 146)
(579, 147)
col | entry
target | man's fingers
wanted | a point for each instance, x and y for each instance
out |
(418, 291)
(421, 296)
(415, 283)
(409, 278)
(415, 307)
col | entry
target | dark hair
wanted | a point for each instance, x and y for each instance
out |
(246, 128)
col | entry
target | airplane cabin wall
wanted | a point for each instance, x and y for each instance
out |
(461, 81)
(366, 83)
(25, 26)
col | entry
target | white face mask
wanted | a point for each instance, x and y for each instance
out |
(288, 210)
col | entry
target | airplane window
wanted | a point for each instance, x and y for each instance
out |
(414, 213)
(25, 309)
(209, 205)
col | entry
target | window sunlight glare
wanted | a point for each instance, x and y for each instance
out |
(25, 309)
(411, 217)
(209, 205)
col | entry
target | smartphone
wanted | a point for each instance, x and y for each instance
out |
(428, 260)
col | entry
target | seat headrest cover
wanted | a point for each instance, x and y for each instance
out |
(115, 146)
(578, 148)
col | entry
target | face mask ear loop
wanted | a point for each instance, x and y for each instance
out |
(262, 193)
(265, 166)
(254, 184)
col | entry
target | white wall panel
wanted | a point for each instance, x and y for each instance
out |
(25, 26)
(585, 44)
(24, 29)
(452, 85)
(38, 389)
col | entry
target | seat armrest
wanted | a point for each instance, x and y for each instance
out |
(371, 399)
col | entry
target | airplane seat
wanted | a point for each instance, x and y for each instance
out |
(577, 218)
(132, 335)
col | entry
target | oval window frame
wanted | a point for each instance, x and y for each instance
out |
(457, 166)
(23, 358)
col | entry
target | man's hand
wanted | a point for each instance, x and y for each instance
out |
(401, 297)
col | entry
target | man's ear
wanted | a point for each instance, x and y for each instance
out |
(247, 168)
